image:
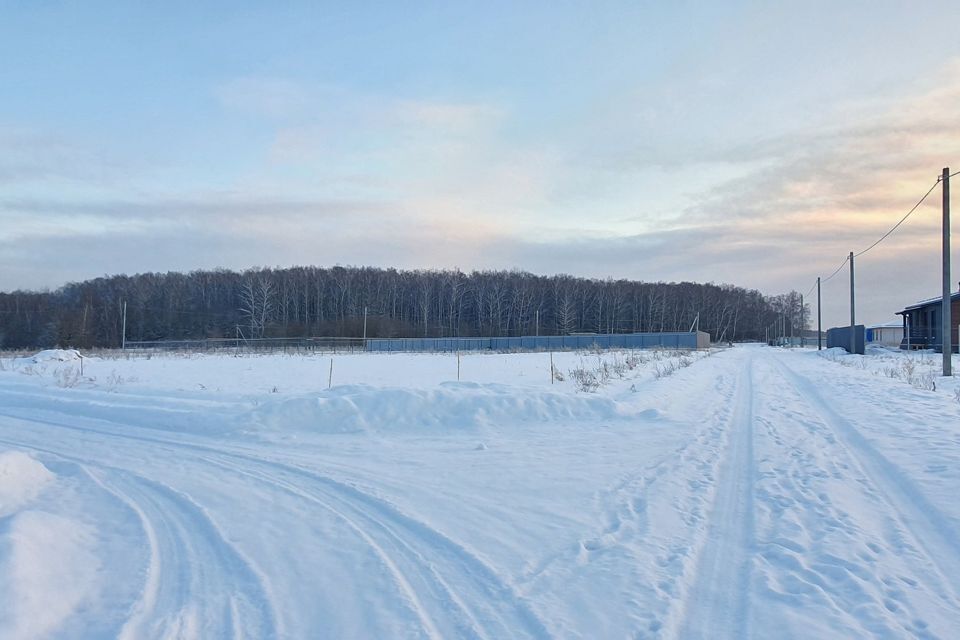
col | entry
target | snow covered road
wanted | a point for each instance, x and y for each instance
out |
(756, 493)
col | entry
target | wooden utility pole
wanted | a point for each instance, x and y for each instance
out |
(945, 305)
(819, 319)
(853, 315)
(123, 330)
(364, 327)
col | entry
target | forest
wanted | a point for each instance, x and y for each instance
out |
(317, 301)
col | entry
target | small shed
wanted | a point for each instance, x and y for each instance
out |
(922, 323)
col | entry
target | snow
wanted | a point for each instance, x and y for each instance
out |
(21, 479)
(53, 355)
(45, 554)
(41, 553)
(746, 492)
(451, 406)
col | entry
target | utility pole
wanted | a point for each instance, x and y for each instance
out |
(945, 305)
(123, 330)
(364, 326)
(538, 323)
(853, 315)
(819, 319)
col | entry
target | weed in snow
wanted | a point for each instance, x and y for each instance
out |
(67, 378)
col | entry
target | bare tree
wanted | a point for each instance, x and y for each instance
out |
(257, 295)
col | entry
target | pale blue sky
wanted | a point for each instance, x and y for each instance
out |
(751, 143)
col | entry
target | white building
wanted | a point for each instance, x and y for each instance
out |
(889, 334)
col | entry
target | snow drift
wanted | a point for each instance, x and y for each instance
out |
(21, 479)
(454, 405)
(52, 355)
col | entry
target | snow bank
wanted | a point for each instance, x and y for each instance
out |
(832, 352)
(21, 479)
(49, 571)
(450, 406)
(52, 355)
(48, 565)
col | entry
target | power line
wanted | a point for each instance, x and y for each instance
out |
(884, 236)
(835, 272)
(902, 220)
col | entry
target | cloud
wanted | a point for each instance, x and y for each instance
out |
(228, 214)
(29, 157)
(872, 161)
(815, 195)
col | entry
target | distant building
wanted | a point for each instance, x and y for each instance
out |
(805, 338)
(889, 334)
(922, 323)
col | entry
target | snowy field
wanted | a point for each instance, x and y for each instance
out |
(748, 492)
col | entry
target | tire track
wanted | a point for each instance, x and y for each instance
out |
(211, 587)
(717, 605)
(481, 606)
(933, 532)
(197, 584)
(814, 545)
(453, 592)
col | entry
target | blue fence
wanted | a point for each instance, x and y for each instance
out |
(840, 337)
(694, 340)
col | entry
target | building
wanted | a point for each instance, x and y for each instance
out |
(921, 324)
(805, 338)
(889, 334)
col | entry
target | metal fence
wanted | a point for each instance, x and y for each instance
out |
(675, 340)
(840, 337)
(294, 345)
(691, 340)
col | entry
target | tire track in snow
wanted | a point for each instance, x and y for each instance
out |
(211, 588)
(197, 584)
(717, 605)
(433, 571)
(917, 515)
(455, 593)
(653, 523)
(825, 558)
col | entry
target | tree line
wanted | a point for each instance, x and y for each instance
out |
(315, 301)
